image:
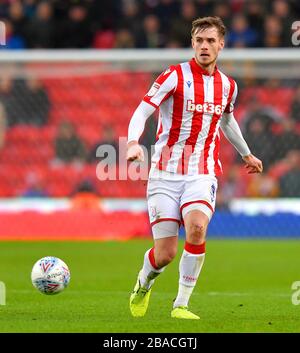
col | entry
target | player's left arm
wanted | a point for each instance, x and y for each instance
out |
(233, 133)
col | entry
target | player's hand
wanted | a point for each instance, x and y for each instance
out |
(253, 164)
(134, 152)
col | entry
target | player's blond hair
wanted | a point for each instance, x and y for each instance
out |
(203, 23)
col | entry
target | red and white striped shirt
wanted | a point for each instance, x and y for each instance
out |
(191, 104)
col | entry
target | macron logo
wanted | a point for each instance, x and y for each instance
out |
(206, 108)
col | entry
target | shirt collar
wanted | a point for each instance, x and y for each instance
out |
(199, 69)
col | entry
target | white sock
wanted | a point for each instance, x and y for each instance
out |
(189, 269)
(148, 273)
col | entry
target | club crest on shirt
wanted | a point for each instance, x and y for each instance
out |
(154, 88)
(153, 212)
(226, 91)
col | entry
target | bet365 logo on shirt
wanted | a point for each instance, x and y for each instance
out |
(206, 108)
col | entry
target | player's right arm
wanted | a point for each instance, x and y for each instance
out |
(162, 89)
(135, 130)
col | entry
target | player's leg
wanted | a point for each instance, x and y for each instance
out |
(191, 262)
(158, 257)
(196, 215)
(165, 220)
(155, 261)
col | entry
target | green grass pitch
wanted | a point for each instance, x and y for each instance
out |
(245, 286)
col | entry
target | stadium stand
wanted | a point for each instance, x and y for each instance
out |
(91, 101)
(29, 150)
(142, 24)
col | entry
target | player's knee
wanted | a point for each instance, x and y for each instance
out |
(165, 257)
(196, 233)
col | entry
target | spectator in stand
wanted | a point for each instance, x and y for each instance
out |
(13, 41)
(40, 32)
(104, 39)
(290, 181)
(281, 9)
(288, 139)
(166, 11)
(26, 102)
(4, 6)
(108, 138)
(262, 186)
(18, 18)
(37, 103)
(281, 167)
(103, 15)
(85, 197)
(124, 39)
(150, 36)
(255, 109)
(232, 187)
(91, 23)
(76, 30)
(180, 29)
(35, 186)
(68, 146)
(260, 140)
(173, 44)
(205, 7)
(7, 99)
(295, 107)
(272, 32)
(29, 7)
(3, 123)
(130, 17)
(222, 10)
(255, 12)
(241, 35)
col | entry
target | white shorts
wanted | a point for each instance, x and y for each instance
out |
(171, 196)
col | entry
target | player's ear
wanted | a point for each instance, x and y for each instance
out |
(222, 43)
(192, 42)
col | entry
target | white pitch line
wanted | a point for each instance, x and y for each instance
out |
(245, 294)
(230, 294)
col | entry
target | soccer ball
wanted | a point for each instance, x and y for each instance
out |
(50, 275)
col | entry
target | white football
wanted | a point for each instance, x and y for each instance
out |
(50, 275)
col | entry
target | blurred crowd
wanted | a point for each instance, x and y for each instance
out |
(273, 134)
(142, 23)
